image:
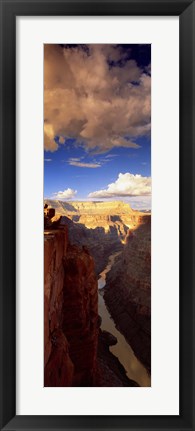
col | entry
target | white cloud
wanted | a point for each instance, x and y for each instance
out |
(75, 159)
(47, 160)
(66, 194)
(86, 99)
(110, 156)
(126, 185)
(85, 165)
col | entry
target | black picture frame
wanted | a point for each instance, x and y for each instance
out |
(185, 9)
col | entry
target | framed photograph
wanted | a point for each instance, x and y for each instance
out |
(97, 220)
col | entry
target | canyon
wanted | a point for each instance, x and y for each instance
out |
(127, 293)
(100, 226)
(79, 238)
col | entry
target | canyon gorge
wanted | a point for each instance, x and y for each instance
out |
(97, 279)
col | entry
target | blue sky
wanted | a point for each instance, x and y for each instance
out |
(97, 123)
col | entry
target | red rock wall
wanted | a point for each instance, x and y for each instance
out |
(70, 313)
(80, 317)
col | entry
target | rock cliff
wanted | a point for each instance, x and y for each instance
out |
(101, 226)
(80, 317)
(128, 291)
(70, 313)
(76, 353)
(110, 372)
(98, 214)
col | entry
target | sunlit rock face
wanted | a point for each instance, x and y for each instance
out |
(128, 291)
(101, 226)
(98, 214)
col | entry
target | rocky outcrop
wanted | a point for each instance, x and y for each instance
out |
(55, 248)
(51, 221)
(80, 317)
(59, 370)
(110, 372)
(70, 313)
(128, 291)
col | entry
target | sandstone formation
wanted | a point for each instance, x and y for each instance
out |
(80, 316)
(98, 214)
(70, 313)
(51, 221)
(76, 352)
(101, 226)
(128, 291)
(99, 244)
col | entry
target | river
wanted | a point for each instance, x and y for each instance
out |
(122, 350)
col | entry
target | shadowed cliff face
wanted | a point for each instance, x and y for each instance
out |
(110, 372)
(70, 313)
(128, 291)
(80, 316)
(99, 243)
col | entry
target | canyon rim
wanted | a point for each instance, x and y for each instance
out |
(97, 215)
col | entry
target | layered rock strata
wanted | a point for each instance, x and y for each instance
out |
(99, 244)
(100, 226)
(76, 353)
(92, 214)
(128, 291)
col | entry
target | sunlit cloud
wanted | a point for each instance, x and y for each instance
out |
(98, 105)
(126, 185)
(66, 194)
